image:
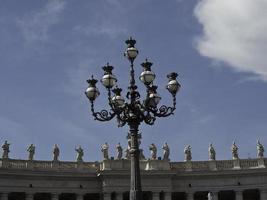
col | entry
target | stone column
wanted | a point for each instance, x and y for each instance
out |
(155, 196)
(119, 195)
(238, 195)
(54, 196)
(167, 196)
(215, 195)
(4, 196)
(263, 194)
(190, 196)
(107, 196)
(79, 196)
(29, 196)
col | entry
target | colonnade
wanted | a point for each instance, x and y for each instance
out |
(249, 194)
(254, 194)
(47, 196)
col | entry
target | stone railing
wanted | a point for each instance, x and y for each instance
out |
(48, 165)
(214, 165)
(126, 165)
(219, 165)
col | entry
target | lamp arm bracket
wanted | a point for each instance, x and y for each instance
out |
(149, 119)
(102, 115)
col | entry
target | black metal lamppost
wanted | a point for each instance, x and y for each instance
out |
(133, 111)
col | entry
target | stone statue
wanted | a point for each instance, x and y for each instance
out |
(260, 149)
(119, 151)
(210, 196)
(141, 155)
(187, 152)
(141, 151)
(56, 152)
(127, 155)
(212, 152)
(234, 151)
(153, 151)
(129, 139)
(31, 150)
(79, 157)
(166, 151)
(127, 150)
(6, 150)
(104, 149)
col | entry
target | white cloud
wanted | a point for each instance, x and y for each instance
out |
(77, 77)
(8, 126)
(36, 25)
(112, 26)
(234, 32)
(112, 30)
(11, 130)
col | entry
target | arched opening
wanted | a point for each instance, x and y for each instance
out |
(161, 196)
(253, 194)
(126, 195)
(203, 195)
(42, 196)
(226, 195)
(147, 195)
(178, 196)
(113, 196)
(16, 196)
(67, 196)
(92, 196)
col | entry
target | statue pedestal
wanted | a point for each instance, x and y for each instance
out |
(157, 165)
(29, 164)
(106, 164)
(188, 166)
(212, 165)
(79, 165)
(261, 163)
(55, 164)
(236, 164)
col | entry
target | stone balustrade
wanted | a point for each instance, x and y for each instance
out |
(219, 165)
(48, 165)
(124, 164)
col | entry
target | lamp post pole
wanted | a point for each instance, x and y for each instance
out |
(133, 112)
(136, 190)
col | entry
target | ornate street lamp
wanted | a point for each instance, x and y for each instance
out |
(133, 111)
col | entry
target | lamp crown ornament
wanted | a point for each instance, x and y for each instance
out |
(130, 42)
(153, 89)
(108, 69)
(147, 65)
(172, 76)
(92, 82)
(117, 91)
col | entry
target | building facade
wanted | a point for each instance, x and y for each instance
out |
(237, 179)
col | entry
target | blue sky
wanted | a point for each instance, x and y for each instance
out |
(48, 48)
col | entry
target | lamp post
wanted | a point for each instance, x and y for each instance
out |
(132, 112)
